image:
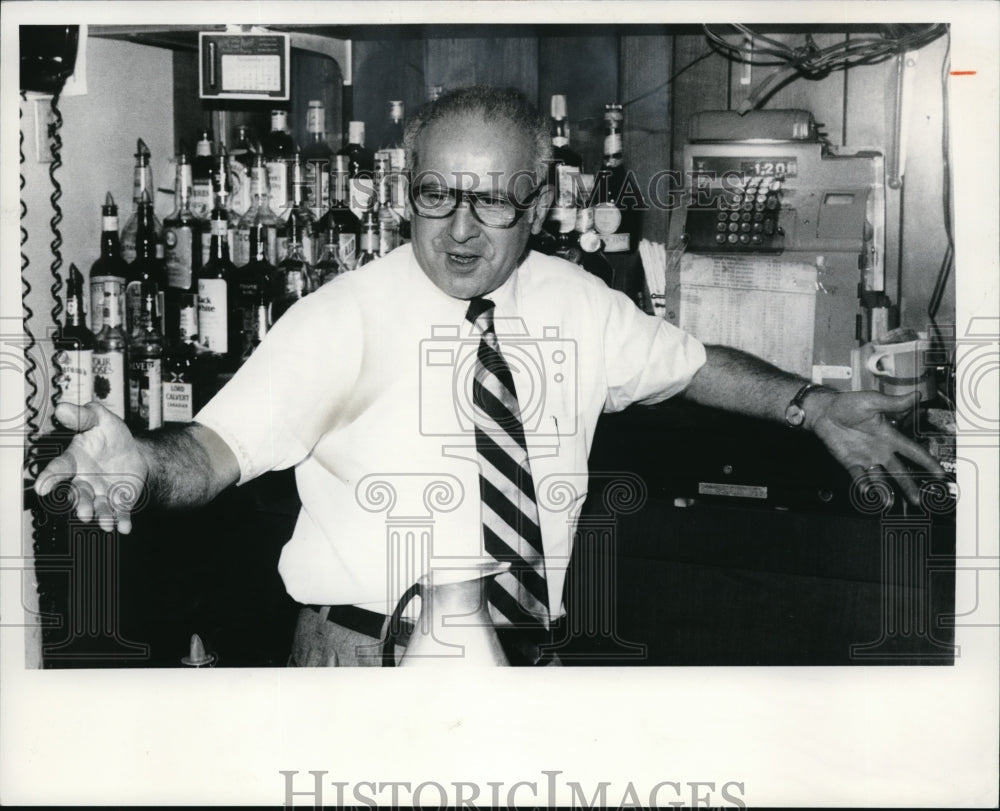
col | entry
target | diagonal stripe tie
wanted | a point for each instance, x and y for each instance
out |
(518, 596)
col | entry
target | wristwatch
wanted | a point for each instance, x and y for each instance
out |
(795, 414)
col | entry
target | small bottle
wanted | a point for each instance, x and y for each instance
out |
(109, 357)
(110, 270)
(201, 175)
(616, 209)
(298, 211)
(146, 267)
(361, 165)
(142, 183)
(279, 149)
(255, 286)
(388, 219)
(74, 345)
(292, 279)
(316, 156)
(222, 199)
(259, 213)
(369, 236)
(339, 213)
(330, 264)
(216, 296)
(182, 238)
(392, 136)
(145, 364)
(184, 373)
(241, 156)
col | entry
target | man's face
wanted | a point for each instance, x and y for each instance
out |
(463, 257)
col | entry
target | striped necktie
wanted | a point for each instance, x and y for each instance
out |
(517, 597)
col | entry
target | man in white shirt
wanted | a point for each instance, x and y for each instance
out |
(364, 387)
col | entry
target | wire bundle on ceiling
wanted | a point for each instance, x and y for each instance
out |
(812, 61)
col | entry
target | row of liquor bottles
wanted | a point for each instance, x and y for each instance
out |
(158, 340)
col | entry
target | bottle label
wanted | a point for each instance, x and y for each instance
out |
(213, 316)
(616, 243)
(109, 381)
(71, 309)
(179, 242)
(128, 246)
(76, 376)
(178, 402)
(318, 186)
(560, 140)
(98, 285)
(133, 305)
(188, 323)
(348, 249)
(109, 223)
(277, 179)
(240, 198)
(613, 144)
(607, 218)
(584, 219)
(201, 196)
(146, 392)
(369, 241)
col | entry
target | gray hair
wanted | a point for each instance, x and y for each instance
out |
(493, 105)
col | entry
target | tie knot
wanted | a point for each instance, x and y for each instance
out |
(480, 313)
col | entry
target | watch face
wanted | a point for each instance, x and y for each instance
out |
(795, 415)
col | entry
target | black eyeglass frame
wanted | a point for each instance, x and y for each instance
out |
(458, 195)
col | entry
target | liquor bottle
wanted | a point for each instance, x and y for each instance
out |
(201, 175)
(110, 270)
(259, 212)
(392, 136)
(145, 366)
(330, 264)
(218, 330)
(182, 237)
(564, 194)
(109, 357)
(142, 182)
(298, 211)
(316, 157)
(146, 267)
(185, 382)
(292, 279)
(617, 200)
(241, 156)
(388, 219)
(339, 214)
(222, 199)
(74, 345)
(562, 216)
(361, 164)
(369, 236)
(279, 149)
(255, 285)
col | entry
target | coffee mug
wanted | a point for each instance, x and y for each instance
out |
(900, 368)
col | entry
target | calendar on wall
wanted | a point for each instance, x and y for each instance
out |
(243, 66)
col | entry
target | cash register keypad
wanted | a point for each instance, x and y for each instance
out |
(741, 219)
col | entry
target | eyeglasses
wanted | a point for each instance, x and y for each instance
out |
(494, 211)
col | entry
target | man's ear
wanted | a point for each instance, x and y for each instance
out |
(540, 208)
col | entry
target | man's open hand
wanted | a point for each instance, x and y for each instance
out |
(103, 465)
(855, 429)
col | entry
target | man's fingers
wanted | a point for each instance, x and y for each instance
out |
(84, 501)
(104, 514)
(76, 418)
(60, 469)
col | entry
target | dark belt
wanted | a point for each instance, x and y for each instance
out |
(362, 621)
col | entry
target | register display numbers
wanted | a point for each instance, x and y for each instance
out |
(718, 166)
(244, 66)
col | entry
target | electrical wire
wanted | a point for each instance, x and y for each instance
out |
(947, 262)
(57, 240)
(813, 62)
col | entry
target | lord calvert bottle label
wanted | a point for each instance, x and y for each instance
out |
(109, 381)
(213, 324)
(178, 401)
(146, 392)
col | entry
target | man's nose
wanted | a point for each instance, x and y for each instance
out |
(463, 224)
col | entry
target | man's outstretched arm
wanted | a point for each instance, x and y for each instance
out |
(852, 425)
(109, 468)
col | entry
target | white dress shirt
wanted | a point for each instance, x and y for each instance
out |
(363, 386)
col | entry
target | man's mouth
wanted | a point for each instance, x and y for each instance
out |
(461, 260)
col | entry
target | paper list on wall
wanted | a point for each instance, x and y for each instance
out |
(761, 305)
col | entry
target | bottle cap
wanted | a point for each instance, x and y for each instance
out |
(356, 132)
(558, 106)
(109, 209)
(197, 655)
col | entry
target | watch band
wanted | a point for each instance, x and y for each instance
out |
(795, 415)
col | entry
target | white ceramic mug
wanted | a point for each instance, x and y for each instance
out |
(901, 369)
